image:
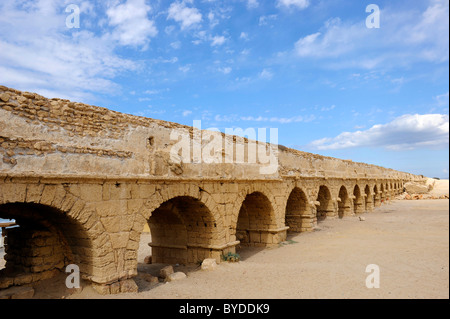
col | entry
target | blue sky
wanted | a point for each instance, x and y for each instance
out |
(310, 68)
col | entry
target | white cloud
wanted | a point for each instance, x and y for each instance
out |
(244, 36)
(403, 133)
(186, 113)
(218, 40)
(185, 68)
(405, 37)
(226, 70)
(132, 26)
(266, 74)
(176, 45)
(442, 99)
(38, 54)
(299, 4)
(264, 20)
(281, 120)
(252, 4)
(186, 16)
(327, 109)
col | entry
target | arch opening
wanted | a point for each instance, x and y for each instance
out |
(297, 217)
(376, 197)
(325, 208)
(42, 244)
(256, 224)
(344, 206)
(382, 194)
(182, 231)
(358, 201)
(369, 199)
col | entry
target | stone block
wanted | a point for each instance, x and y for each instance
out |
(119, 240)
(115, 288)
(209, 264)
(165, 272)
(176, 276)
(102, 289)
(128, 286)
(150, 279)
(91, 192)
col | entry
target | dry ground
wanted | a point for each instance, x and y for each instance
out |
(408, 240)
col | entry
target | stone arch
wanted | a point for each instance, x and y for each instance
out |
(376, 196)
(167, 192)
(325, 207)
(382, 194)
(183, 230)
(256, 188)
(66, 215)
(358, 201)
(344, 203)
(57, 225)
(298, 217)
(368, 199)
(257, 224)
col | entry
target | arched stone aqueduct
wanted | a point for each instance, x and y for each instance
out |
(83, 181)
(99, 222)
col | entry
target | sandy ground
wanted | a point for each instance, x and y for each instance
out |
(440, 187)
(408, 240)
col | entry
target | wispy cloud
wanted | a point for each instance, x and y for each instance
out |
(39, 54)
(225, 70)
(252, 4)
(297, 4)
(218, 40)
(404, 37)
(186, 16)
(266, 20)
(266, 74)
(403, 133)
(132, 25)
(280, 120)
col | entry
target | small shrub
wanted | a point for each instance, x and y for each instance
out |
(232, 257)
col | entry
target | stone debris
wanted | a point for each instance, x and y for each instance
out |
(128, 286)
(176, 276)
(407, 196)
(123, 286)
(148, 260)
(209, 264)
(149, 278)
(416, 188)
(166, 272)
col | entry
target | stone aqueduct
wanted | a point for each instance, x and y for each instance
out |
(83, 181)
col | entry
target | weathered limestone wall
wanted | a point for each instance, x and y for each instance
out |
(40, 136)
(31, 256)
